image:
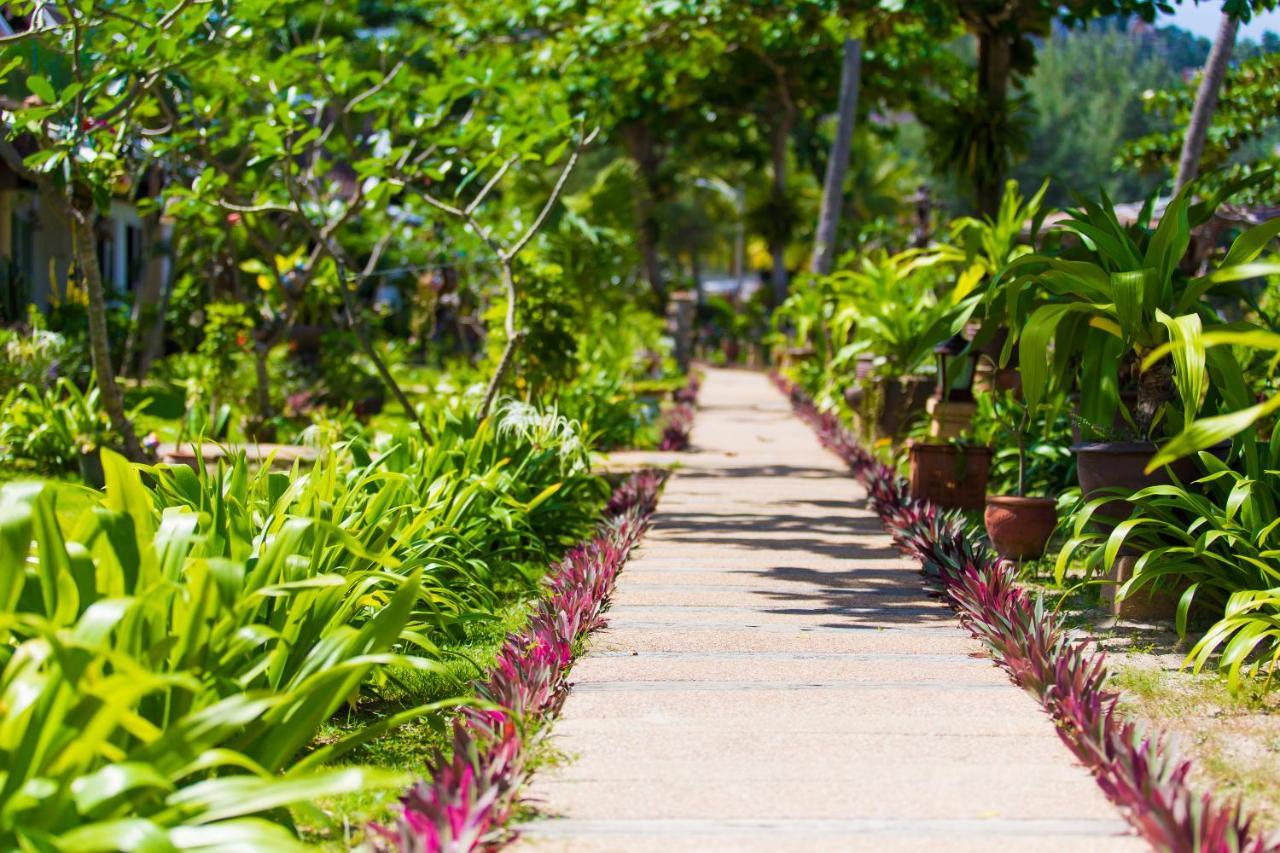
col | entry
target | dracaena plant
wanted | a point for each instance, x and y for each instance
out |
(1095, 311)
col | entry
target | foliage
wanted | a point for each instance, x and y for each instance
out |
(1241, 136)
(38, 357)
(471, 794)
(891, 309)
(1040, 462)
(973, 140)
(1212, 543)
(1138, 771)
(1114, 300)
(50, 429)
(185, 641)
(1087, 95)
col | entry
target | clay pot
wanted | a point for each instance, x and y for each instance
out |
(1019, 528)
(1120, 465)
(951, 477)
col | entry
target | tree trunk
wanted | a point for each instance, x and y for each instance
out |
(780, 230)
(86, 256)
(642, 151)
(994, 55)
(824, 244)
(1215, 70)
(148, 301)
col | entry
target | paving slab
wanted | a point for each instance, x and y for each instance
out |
(775, 676)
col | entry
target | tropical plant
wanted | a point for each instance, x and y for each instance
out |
(1213, 543)
(38, 357)
(156, 684)
(1041, 463)
(1207, 432)
(49, 430)
(1110, 302)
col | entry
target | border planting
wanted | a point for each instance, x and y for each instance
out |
(679, 421)
(471, 794)
(1141, 773)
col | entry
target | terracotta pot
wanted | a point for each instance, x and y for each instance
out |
(1019, 528)
(951, 477)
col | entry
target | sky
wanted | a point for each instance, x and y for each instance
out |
(1202, 19)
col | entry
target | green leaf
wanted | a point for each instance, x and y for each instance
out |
(1251, 243)
(42, 89)
(1207, 432)
(113, 780)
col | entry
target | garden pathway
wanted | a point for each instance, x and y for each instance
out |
(775, 676)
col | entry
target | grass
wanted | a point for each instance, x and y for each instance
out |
(408, 747)
(1233, 737)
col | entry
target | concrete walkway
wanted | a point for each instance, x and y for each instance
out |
(776, 677)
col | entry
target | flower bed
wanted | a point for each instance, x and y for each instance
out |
(1141, 773)
(471, 794)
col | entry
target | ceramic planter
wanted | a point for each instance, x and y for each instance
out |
(1019, 528)
(1120, 465)
(951, 477)
(901, 401)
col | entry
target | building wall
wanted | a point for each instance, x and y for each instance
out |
(39, 241)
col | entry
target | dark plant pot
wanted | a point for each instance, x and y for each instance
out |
(90, 464)
(949, 476)
(854, 395)
(901, 402)
(1008, 379)
(1019, 528)
(1120, 465)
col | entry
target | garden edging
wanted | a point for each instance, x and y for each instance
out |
(470, 796)
(1140, 773)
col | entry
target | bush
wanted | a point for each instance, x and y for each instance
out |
(168, 656)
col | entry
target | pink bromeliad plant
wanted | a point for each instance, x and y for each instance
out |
(467, 801)
(1139, 772)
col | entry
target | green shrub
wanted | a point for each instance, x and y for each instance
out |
(168, 656)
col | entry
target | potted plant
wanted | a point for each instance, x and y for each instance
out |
(900, 308)
(952, 475)
(1093, 314)
(1019, 525)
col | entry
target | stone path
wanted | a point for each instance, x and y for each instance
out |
(775, 676)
